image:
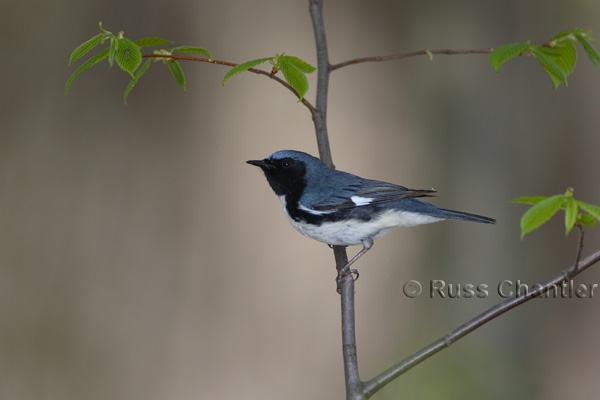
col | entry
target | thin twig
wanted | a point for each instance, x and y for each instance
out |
(405, 55)
(271, 75)
(378, 382)
(580, 249)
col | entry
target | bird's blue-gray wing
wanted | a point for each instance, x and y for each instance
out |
(330, 189)
(352, 191)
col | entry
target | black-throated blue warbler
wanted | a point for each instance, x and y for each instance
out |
(342, 209)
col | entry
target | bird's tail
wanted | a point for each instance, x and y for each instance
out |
(463, 216)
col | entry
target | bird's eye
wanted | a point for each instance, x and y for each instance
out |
(287, 162)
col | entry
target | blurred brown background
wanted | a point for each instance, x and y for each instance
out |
(141, 258)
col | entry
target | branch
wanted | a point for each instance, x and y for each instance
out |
(256, 71)
(405, 55)
(349, 352)
(378, 382)
(352, 378)
(580, 249)
(323, 71)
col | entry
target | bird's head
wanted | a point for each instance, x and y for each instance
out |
(287, 170)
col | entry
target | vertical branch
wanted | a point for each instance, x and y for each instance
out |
(353, 382)
(323, 70)
(341, 259)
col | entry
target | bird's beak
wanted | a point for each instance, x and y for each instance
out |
(264, 164)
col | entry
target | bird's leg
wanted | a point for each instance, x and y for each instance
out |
(345, 270)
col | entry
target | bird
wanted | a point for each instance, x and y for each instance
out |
(342, 209)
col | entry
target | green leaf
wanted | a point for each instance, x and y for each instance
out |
(89, 63)
(571, 211)
(85, 47)
(529, 199)
(135, 79)
(301, 65)
(570, 34)
(547, 59)
(244, 67)
(177, 72)
(589, 208)
(587, 220)
(192, 49)
(504, 53)
(558, 62)
(128, 55)
(567, 57)
(294, 77)
(589, 49)
(151, 41)
(112, 50)
(540, 213)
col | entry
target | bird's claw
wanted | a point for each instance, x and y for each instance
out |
(343, 272)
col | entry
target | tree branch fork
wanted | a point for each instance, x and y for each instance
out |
(371, 386)
(362, 390)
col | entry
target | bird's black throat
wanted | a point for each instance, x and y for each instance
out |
(287, 178)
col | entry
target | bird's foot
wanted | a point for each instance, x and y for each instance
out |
(343, 272)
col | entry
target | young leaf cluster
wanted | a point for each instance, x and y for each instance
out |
(558, 57)
(544, 208)
(128, 56)
(294, 71)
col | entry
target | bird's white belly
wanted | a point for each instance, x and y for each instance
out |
(353, 232)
